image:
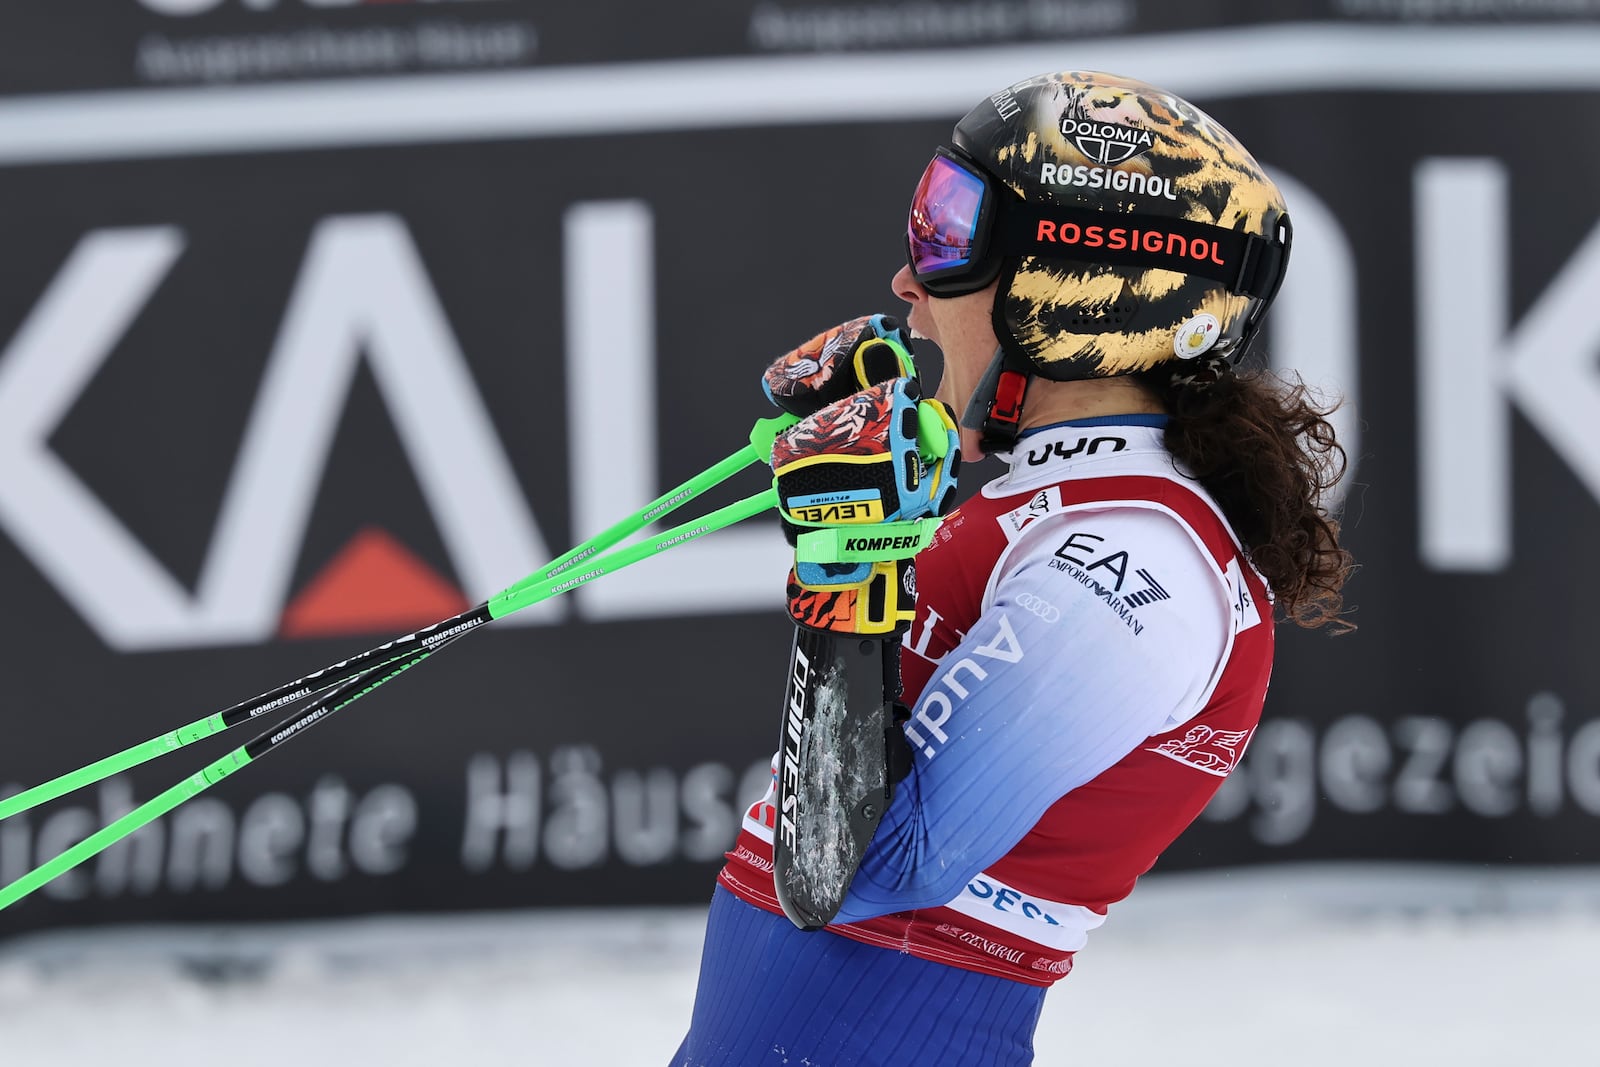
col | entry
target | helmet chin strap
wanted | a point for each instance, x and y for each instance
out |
(995, 409)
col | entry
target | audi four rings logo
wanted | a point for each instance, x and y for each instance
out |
(1039, 606)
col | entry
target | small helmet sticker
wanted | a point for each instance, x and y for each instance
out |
(1197, 336)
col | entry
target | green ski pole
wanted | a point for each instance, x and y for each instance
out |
(523, 595)
(759, 449)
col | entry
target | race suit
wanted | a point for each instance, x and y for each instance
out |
(1088, 662)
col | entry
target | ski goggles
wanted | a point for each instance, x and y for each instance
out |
(963, 224)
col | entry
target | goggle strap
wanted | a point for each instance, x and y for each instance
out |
(1245, 263)
(1262, 269)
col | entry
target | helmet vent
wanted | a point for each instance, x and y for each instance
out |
(1103, 317)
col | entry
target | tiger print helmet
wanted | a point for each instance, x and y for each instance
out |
(1130, 229)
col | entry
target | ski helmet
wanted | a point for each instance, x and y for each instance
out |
(1126, 226)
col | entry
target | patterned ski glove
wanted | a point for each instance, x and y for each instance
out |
(838, 362)
(860, 485)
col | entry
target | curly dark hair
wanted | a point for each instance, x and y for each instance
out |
(1265, 451)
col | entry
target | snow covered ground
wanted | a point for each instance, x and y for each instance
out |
(1326, 966)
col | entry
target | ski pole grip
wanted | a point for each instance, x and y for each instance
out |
(934, 430)
(866, 544)
(766, 431)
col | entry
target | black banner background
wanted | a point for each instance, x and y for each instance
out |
(153, 43)
(1461, 722)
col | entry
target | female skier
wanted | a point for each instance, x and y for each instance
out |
(1091, 634)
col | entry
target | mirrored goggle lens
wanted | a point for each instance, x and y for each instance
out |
(944, 217)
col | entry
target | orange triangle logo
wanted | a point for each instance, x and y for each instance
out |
(374, 585)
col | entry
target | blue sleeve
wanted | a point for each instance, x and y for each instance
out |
(1048, 689)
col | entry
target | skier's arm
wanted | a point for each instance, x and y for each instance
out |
(1053, 685)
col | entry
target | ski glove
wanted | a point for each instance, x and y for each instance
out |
(838, 362)
(853, 480)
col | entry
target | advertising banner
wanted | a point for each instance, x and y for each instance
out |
(288, 370)
(134, 44)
